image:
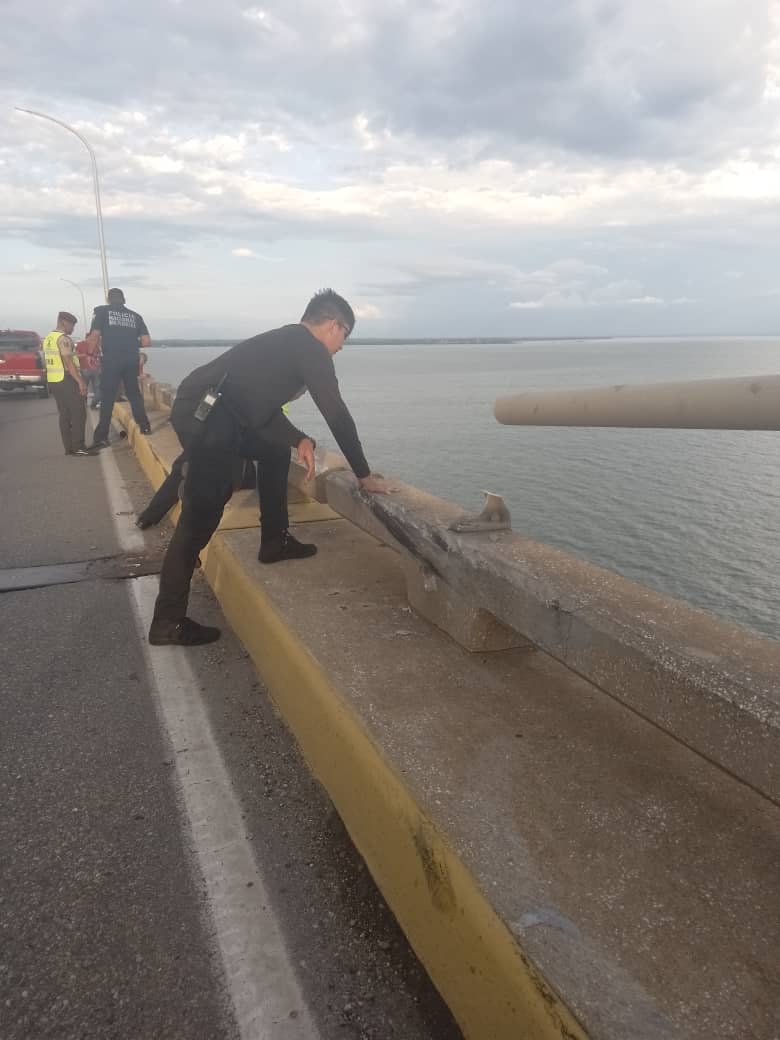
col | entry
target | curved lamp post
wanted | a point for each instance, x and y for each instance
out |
(95, 182)
(83, 304)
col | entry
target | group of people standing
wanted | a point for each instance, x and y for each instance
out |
(109, 358)
(228, 415)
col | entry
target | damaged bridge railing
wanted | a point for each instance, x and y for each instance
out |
(713, 685)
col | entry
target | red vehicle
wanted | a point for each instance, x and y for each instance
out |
(21, 361)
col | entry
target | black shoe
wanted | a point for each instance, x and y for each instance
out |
(81, 451)
(94, 406)
(146, 430)
(97, 445)
(284, 547)
(70, 453)
(181, 633)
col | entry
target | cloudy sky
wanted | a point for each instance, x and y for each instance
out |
(454, 167)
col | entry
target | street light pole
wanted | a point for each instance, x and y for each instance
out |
(95, 182)
(83, 304)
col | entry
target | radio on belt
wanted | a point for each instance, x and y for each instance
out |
(209, 399)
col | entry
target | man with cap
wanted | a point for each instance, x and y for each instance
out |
(119, 333)
(65, 383)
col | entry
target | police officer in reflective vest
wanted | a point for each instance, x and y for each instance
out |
(66, 385)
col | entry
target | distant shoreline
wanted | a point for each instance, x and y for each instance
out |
(407, 341)
(393, 341)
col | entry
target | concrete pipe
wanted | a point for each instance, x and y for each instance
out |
(747, 403)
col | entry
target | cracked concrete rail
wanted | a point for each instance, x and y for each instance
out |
(562, 867)
(713, 685)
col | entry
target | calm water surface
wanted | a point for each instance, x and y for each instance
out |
(691, 513)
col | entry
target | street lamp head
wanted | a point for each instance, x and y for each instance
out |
(81, 294)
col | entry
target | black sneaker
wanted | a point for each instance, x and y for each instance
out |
(284, 547)
(181, 633)
(146, 430)
(97, 445)
(82, 451)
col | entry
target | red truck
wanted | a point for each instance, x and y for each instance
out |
(21, 361)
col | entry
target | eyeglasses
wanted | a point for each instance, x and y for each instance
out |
(346, 328)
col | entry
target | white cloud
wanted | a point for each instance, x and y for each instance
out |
(570, 283)
(222, 148)
(368, 140)
(159, 163)
(535, 160)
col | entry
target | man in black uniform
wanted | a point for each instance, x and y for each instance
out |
(250, 383)
(122, 333)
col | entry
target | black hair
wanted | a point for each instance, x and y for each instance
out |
(67, 316)
(326, 304)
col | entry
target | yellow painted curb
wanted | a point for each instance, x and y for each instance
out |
(487, 981)
(490, 985)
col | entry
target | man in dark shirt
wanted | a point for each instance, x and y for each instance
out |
(254, 379)
(121, 333)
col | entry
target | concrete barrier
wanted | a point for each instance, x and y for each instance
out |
(713, 685)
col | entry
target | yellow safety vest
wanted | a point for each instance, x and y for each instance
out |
(55, 370)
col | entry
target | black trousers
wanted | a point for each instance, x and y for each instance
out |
(119, 368)
(208, 472)
(72, 411)
(272, 474)
(167, 494)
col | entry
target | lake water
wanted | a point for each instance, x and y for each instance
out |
(693, 514)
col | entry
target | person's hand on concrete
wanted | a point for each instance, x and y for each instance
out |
(377, 485)
(305, 451)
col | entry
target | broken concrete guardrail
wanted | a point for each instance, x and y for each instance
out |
(713, 685)
(745, 403)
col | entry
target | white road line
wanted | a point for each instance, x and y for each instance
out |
(130, 538)
(261, 981)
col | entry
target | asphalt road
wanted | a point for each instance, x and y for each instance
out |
(106, 925)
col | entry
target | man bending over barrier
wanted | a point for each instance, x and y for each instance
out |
(230, 410)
